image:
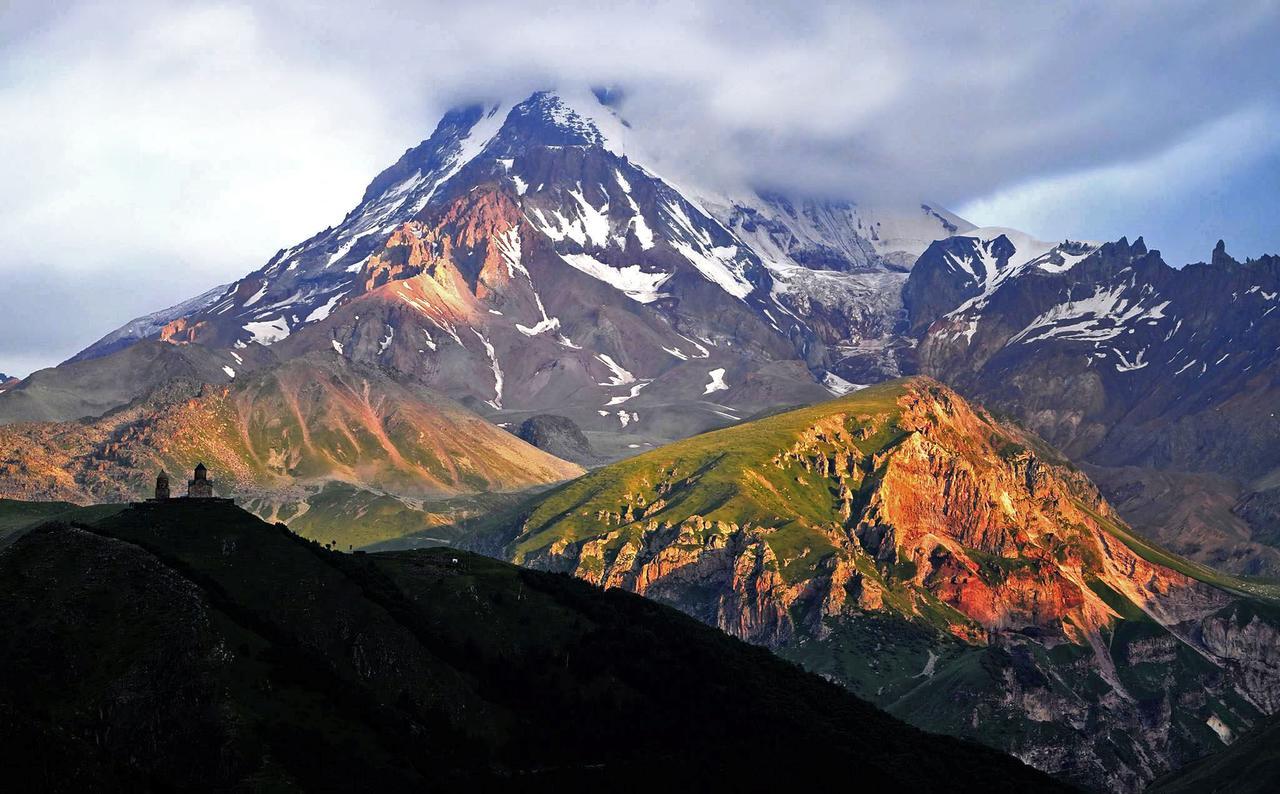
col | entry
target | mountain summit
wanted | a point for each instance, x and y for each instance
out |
(525, 258)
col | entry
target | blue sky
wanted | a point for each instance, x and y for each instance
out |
(153, 149)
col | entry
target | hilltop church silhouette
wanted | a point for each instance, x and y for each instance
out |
(199, 487)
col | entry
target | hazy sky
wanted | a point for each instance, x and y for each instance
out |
(150, 150)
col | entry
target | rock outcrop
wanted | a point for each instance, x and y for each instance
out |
(557, 435)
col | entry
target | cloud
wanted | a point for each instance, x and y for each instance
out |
(180, 144)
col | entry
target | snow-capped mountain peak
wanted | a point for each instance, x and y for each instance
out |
(530, 237)
(568, 118)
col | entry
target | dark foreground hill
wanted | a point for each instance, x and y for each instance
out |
(191, 646)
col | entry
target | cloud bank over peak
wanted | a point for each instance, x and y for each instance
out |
(172, 146)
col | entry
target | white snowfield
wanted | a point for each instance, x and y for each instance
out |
(717, 382)
(268, 332)
(1104, 315)
(621, 377)
(630, 280)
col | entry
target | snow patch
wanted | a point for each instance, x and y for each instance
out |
(620, 376)
(257, 296)
(1128, 365)
(631, 280)
(702, 351)
(1099, 317)
(838, 385)
(269, 331)
(718, 266)
(324, 311)
(635, 390)
(509, 249)
(641, 227)
(496, 402)
(544, 325)
(595, 222)
(717, 382)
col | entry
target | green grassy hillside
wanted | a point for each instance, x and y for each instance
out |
(722, 476)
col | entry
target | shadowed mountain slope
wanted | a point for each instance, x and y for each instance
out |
(191, 646)
(1251, 765)
(90, 388)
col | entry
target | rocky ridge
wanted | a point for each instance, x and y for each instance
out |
(1143, 371)
(952, 569)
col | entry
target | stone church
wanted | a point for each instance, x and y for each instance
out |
(199, 487)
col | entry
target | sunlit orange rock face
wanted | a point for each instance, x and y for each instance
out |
(956, 507)
(310, 421)
(997, 531)
(181, 331)
(465, 243)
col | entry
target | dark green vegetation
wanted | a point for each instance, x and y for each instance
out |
(1251, 765)
(17, 516)
(190, 646)
(355, 518)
